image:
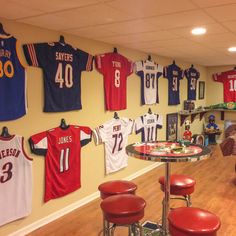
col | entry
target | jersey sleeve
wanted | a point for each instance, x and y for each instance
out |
(138, 66)
(100, 63)
(85, 135)
(165, 72)
(99, 135)
(181, 74)
(130, 126)
(39, 143)
(129, 67)
(159, 121)
(138, 125)
(186, 73)
(85, 60)
(35, 54)
(218, 77)
(159, 70)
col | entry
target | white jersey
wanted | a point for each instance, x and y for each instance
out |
(149, 73)
(114, 134)
(148, 125)
(15, 179)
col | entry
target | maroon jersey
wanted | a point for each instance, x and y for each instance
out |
(62, 150)
(115, 69)
(228, 78)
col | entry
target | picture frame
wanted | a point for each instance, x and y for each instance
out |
(172, 127)
(201, 90)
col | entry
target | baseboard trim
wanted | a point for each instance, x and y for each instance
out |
(39, 223)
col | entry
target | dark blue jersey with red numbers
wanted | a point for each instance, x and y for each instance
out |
(174, 74)
(62, 65)
(192, 76)
(12, 81)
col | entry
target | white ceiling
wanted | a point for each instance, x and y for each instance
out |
(153, 26)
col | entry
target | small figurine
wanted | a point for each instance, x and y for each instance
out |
(211, 126)
(212, 129)
(187, 133)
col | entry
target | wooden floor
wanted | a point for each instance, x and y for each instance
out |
(215, 191)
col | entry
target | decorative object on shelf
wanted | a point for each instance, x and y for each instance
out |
(201, 91)
(189, 105)
(212, 129)
(187, 133)
(224, 106)
(172, 126)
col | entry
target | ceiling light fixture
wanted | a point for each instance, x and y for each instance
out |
(198, 31)
(232, 49)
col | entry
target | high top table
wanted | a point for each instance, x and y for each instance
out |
(163, 151)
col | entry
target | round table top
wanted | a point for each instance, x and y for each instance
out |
(163, 151)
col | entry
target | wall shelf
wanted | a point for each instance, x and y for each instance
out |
(192, 114)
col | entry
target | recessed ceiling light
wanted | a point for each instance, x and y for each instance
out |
(232, 49)
(198, 31)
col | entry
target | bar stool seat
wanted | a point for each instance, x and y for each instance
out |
(114, 187)
(123, 210)
(190, 221)
(179, 184)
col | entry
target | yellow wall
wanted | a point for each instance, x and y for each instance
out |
(92, 114)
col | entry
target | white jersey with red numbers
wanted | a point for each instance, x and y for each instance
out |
(62, 150)
(15, 179)
(115, 69)
(228, 78)
(114, 134)
(147, 125)
(149, 72)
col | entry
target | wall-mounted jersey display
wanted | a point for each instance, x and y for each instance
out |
(62, 65)
(174, 74)
(228, 78)
(192, 76)
(147, 125)
(15, 179)
(149, 72)
(61, 148)
(114, 133)
(12, 81)
(115, 69)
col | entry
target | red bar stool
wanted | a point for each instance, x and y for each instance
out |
(116, 187)
(123, 210)
(180, 185)
(191, 221)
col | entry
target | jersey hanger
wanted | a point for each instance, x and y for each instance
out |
(116, 115)
(5, 133)
(2, 31)
(62, 39)
(115, 50)
(149, 58)
(149, 111)
(63, 124)
(173, 62)
(192, 66)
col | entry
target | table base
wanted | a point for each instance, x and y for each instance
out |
(153, 229)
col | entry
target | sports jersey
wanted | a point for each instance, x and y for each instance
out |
(115, 69)
(114, 134)
(62, 66)
(192, 76)
(174, 74)
(228, 78)
(148, 125)
(12, 81)
(61, 148)
(149, 72)
(15, 179)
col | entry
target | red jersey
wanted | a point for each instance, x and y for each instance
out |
(62, 165)
(115, 69)
(228, 78)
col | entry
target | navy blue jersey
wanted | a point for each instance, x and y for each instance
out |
(62, 66)
(174, 74)
(192, 76)
(12, 81)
